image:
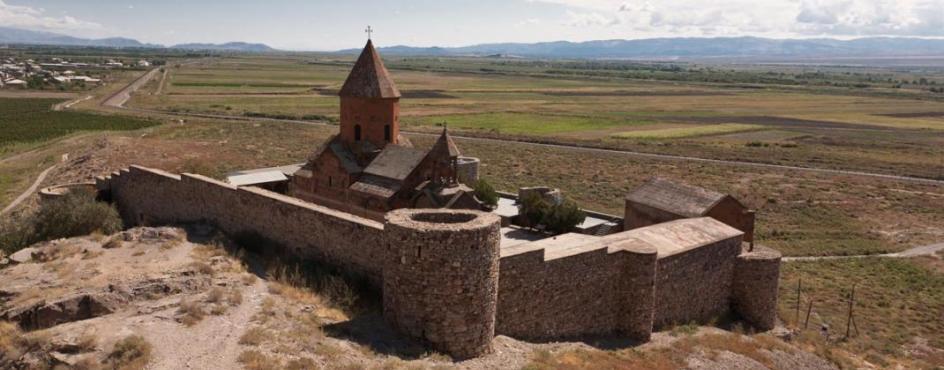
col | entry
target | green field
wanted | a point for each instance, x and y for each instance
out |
(820, 116)
(32, 120)
(684, 132)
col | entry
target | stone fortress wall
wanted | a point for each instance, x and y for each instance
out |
(446, 280)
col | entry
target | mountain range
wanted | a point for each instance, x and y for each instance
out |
(20, 36)
(655, 48)
(691, 48)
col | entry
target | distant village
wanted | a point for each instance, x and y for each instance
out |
(29, 73)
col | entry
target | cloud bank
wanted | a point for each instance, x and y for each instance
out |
(832, 18)
(35, 18)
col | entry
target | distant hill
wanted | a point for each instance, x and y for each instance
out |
(690, 48)
(10, 35)
(229, 46)
(20, 36)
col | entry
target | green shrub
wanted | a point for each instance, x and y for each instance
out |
(563, 217)
(75, 214)
(556, 218)
(534, 207)
(486, 193)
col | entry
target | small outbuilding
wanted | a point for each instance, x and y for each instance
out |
(15, 83)
(661, 200)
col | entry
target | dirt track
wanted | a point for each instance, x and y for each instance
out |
(118, 99)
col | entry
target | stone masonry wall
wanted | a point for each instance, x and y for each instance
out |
(145, 196)
(443, 285)
(695, 285)
(593, 292)
(756, 279)
(440, 280)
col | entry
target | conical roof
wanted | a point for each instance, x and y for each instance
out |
(369, 78)
(445, 145)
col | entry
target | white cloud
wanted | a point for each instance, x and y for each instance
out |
(35, 18)
(589, 19)
(763, 18)
(875, 17)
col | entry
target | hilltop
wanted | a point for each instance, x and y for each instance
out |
(10, 35)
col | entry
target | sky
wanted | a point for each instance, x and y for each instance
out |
(340, 24)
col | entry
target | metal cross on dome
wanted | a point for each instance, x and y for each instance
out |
(369, 31)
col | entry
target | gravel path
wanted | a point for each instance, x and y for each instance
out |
(924, 250)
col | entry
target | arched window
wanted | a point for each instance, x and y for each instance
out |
(387, 133)
(357, 132)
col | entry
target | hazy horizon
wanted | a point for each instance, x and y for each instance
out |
(320, 25)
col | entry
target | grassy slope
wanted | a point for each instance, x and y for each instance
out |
(897, 301)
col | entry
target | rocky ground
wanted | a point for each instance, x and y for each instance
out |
(173, 298)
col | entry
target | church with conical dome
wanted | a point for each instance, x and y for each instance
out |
(369, 168)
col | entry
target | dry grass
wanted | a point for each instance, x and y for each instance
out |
(327, 351)
(202, 268)
(204, 252)
(604, 360)
(191, 312)
(255, 336)
(130, 353)
(303, 363)
(255, 360)
(170, 244)
(672, 356)
(731, 342)
(92, 254)
(14, 343)
(897, 302)
(215, 295)
(319, 289)
(113, 243)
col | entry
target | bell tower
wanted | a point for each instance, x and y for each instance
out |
(370, 103)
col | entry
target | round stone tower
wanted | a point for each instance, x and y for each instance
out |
(756, 279)
(440, 277)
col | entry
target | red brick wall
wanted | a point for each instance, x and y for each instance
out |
(735, 215)
(372, 115)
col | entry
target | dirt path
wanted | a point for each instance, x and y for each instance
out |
(212, 343)
(26, 194)
(924, 250)
(70, 103)
(118, 99)
(160, 86)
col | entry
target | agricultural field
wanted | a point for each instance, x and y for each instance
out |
(711, 113)
(29, 121)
